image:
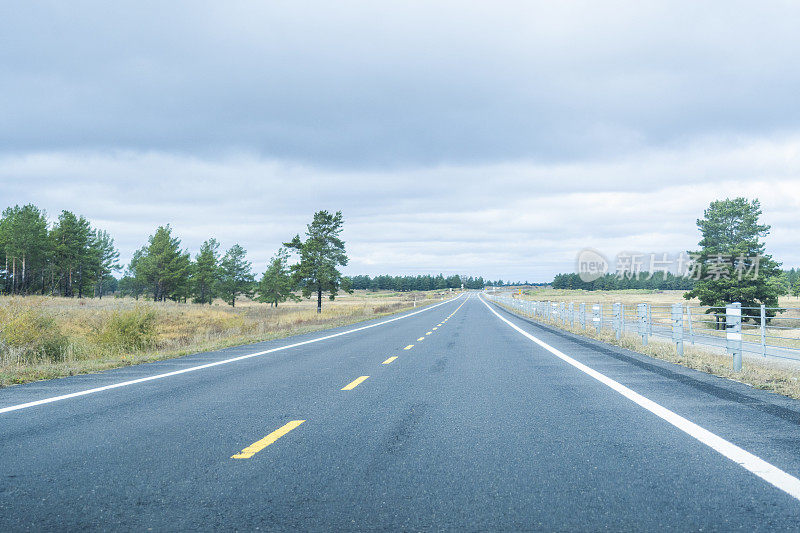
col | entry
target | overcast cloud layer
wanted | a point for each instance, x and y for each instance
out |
(493, 138)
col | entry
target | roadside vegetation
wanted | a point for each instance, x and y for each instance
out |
(48, 337)
(55, 322)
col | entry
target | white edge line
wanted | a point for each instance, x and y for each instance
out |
(766, 471)
(209, 365)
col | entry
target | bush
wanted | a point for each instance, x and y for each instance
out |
(29, 334)
(130, 330)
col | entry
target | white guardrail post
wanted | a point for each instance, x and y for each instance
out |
(571, 315)
(582, 314)
(677, 328)
(615, 320)
(733, 333)
(641, 311)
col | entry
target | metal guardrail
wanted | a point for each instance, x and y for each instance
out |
(768, 332)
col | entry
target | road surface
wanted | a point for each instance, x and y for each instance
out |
(460, 416)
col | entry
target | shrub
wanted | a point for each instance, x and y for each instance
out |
(129, 330)
(29, 334)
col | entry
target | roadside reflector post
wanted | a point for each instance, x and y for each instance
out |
(763, 330)
(571, 315)
(582, 314)
(562, 310)
(733, 333)
(641, 311)
(596, 310)
(615, 319)
(677, 328)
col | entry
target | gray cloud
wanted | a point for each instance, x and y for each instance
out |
(354, 84)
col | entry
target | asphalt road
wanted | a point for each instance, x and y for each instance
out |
(477, 426)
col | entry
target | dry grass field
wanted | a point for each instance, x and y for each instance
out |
(627, 297)
(45, 337)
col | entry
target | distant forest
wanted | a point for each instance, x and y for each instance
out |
(788, 281)
(428, 282)
(611, 282)
(415, 283)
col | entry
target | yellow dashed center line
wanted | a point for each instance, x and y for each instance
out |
(355, 383)
(392, 358)
(438, 325)
(434, 329)
(408, 347)
(428, 333)
(256, 447)
(421, 339)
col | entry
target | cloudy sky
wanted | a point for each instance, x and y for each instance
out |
(486, 138)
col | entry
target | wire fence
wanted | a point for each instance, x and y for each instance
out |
(768, 332)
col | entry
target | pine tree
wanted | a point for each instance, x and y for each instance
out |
(25, 245)
(106, 259)
(130, 284)
(276, 284)
(730, 245)
(164, 267)
(235, 275)
(320, 255)
(71, 252)
(205, 272)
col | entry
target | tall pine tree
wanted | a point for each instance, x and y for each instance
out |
(320, 254)
(732, 265)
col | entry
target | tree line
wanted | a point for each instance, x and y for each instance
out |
(71, 258)
(415, 283)
(611, 282)
(161, 269)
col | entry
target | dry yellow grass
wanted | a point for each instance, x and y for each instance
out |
(44, 337)
(630, 297)
(766, 375)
